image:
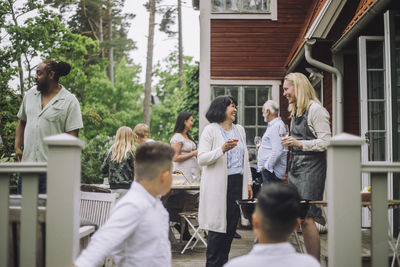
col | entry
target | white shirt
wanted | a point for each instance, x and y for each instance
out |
(136, 233)
(271, 155)
(274, 255)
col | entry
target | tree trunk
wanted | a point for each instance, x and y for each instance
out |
(20, 67)
(101, 37)
(111, 51)
(180, 48)
(149, 65)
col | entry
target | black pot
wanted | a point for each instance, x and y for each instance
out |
(247, 207)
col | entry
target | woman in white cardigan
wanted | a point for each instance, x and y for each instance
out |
(225, 177)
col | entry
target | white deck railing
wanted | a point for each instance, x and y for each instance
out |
(344, 203)
(62, 210)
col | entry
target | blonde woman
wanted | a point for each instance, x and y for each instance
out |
(118, 164)
(310, 133)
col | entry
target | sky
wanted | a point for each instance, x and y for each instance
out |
(162, 44)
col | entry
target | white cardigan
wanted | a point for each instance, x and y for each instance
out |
(214, 177)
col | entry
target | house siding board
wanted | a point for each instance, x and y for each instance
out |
(256, 49)
(351, 95)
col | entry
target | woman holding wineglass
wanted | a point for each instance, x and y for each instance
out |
(271, 158)
(309, 137)
(225, 178)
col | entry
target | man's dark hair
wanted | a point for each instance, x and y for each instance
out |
(151, 159)
(279, 207)
(216, 111)
(60, 68)
(180, 123)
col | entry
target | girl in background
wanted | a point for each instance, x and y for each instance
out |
(118, 164)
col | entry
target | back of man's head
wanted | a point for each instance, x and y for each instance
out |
(279, 207)
(151, 159)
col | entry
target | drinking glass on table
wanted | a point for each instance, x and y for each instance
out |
(284, 132)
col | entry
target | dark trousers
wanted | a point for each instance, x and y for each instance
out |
(219, 244)
(42, 183)
(269, 177)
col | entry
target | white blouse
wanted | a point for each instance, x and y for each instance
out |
(190, 168)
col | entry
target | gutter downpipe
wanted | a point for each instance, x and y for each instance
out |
(339, 82)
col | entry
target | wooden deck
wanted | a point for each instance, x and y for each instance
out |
(197, 256)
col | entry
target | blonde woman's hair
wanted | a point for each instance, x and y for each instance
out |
(123, 144)
(303, 91)
(142, 130)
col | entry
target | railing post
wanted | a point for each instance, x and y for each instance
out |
(62, 216)
(379, 219)
(4, 199)
(344, 200)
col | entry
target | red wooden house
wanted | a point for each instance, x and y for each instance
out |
(350, 50)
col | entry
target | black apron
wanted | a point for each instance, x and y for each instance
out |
(307, 169)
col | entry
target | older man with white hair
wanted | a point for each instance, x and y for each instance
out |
(271, 156)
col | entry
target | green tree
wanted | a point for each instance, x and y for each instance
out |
(174, 100)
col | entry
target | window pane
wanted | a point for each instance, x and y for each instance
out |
(217, 5)
(233, 91)
(260, 120)
(376, 148)
(374, 55)
(250, 133)
(250, 96)
(375, 85)
(249, 116)
(219, 91)
(376, 115)
(232, 5)
(262, 95)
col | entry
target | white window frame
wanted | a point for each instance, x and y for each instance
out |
(271, 14)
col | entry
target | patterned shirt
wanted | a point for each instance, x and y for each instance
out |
(118, 173)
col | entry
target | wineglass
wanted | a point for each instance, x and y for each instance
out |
(257, 141)
(284, 132)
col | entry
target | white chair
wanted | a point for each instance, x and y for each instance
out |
(95, 208)
(188, 216)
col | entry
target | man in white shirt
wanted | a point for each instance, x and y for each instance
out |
(137, 231)
(271, 158)
(276, 216)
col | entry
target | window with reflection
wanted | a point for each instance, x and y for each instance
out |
(240, 6)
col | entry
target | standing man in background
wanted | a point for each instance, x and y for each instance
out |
(46, 110)
(271, 158)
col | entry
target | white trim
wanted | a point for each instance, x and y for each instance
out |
(325, 19)
(245, 82)
(388, 86)
(205, 59)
